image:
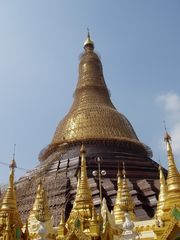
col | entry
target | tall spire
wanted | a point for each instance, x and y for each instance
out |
(61, 228)
(9, 204)
(83, 196)
(62, 219)
(40, 207)
(126, 202)
(9, 200)
(162, 194)
(83, 207)
(117, 210)
(40, 220)
(119, 186)
(173, 178)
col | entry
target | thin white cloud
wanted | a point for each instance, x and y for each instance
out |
(170, 103)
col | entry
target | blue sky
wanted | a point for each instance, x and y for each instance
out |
(39, 48)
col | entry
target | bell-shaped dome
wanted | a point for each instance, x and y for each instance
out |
(92, 115)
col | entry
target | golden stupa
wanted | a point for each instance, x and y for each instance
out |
(93, 121)
(92, 115)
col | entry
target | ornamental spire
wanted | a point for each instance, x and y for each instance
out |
(61, 228)
(83, 196)
(162, 194)
(88, 44)
(40, 221)
(172, 170)
(9, 200)
(117, 210)
(9, 211)
(83, 207)
(126, 203)
(40, 208)
(173, 178)
(62, 219)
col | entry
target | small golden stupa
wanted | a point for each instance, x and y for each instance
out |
(10, 220)
(85, 222)
(40, 216)
(173, 181)
(162, 194)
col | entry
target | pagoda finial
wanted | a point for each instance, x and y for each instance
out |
(172, 170)
(126, 202)
(117, 211)
(40, 207)
(162, 193)
(12, 166)
(62, 229)
(9, 204)
(124, 171)
(83, 190)
(62, 219)
(119, 185)
(119, 179)
(88, 32)
(173, 178)
(40, 221)
(88, 44)
(82, 150)
(9, 200)
(173, 174)
(83, 204)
